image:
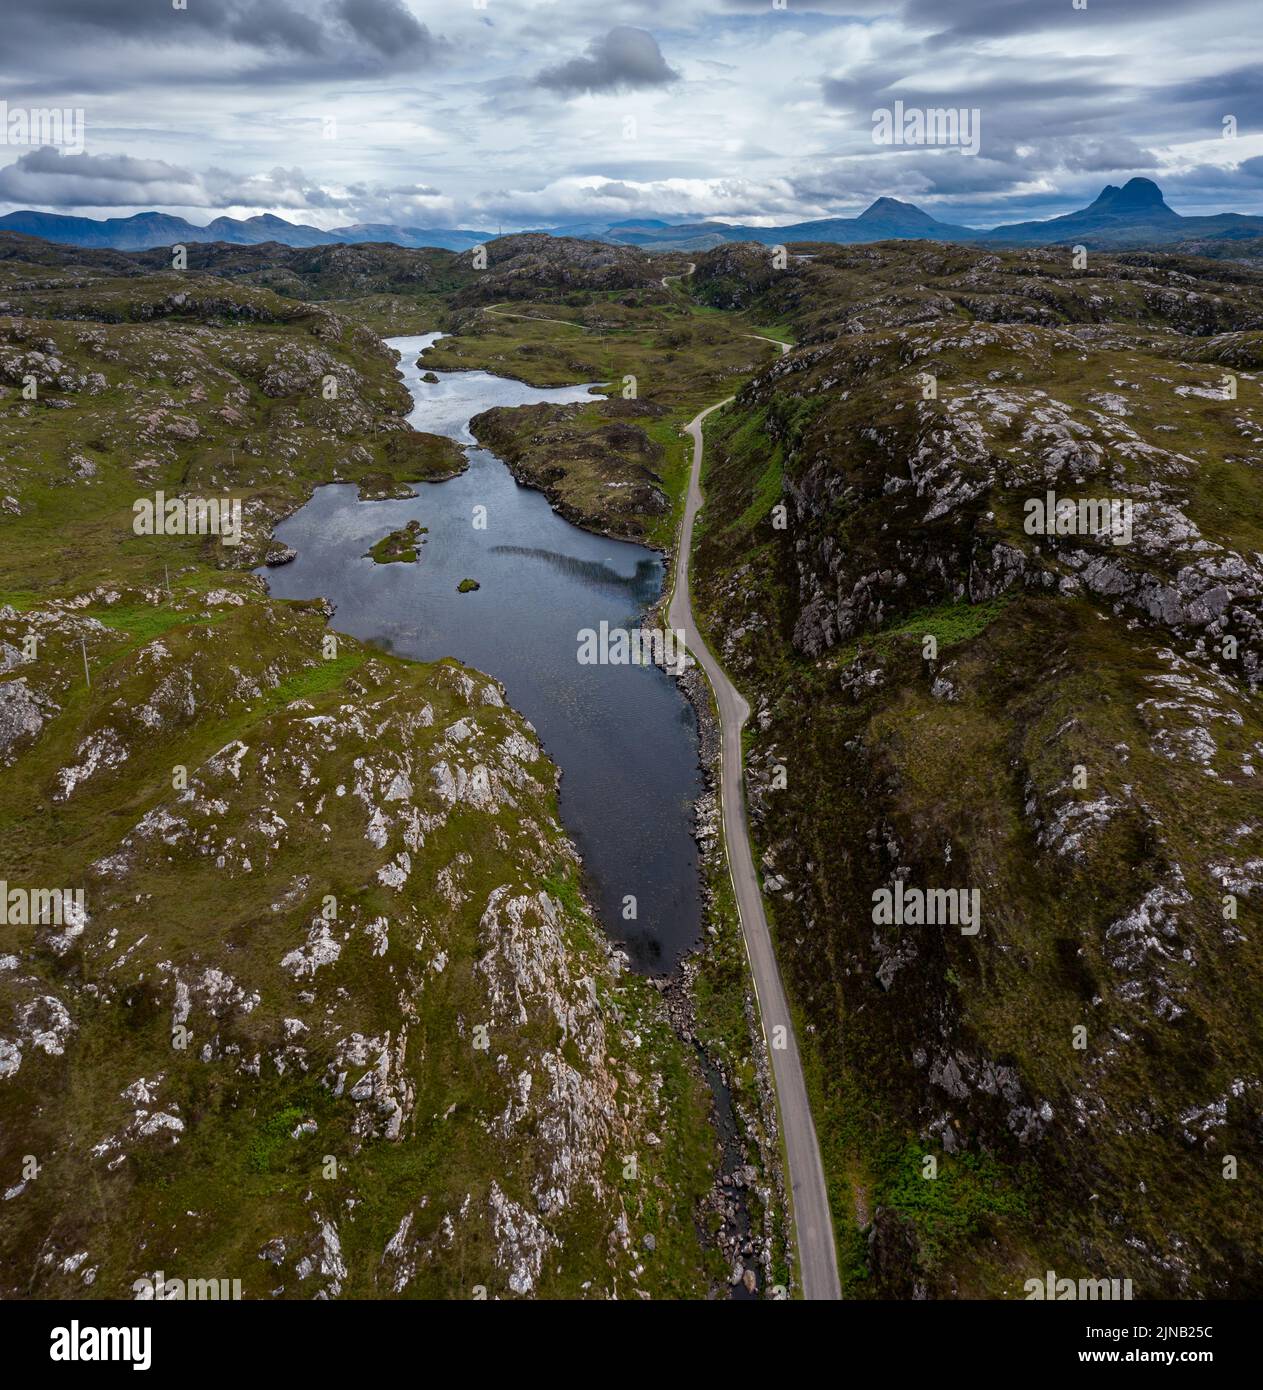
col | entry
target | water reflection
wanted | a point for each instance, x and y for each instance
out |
(642, 586)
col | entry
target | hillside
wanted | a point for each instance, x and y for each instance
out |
(335, 1018)
(1079, 742)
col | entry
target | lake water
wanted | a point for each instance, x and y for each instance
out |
(623, 736)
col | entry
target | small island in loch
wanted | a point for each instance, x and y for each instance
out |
(399, 547)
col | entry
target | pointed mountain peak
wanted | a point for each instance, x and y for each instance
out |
(891, 210)
(1135, 196)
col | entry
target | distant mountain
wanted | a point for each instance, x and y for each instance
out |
(149, 229)
(885, 220)
(251, 231)
(416, 237)
(1138, 209)
(136, 233)
(888, 218)
(1135, 215)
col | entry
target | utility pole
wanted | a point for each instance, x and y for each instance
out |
(87, 675)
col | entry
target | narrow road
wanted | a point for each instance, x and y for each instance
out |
(535, 318)
(681, 276)
(809, 1197)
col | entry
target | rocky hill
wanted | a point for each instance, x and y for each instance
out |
(392, 289)
(331, 1015)
(1067, 723)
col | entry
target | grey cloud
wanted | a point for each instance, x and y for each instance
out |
(916, 175)
(1100, 156)
(273, 24)
(1238, 92)
(107, 45)
(51, 179)
(645, 170)
(1206, 187)
(795, 8)
(624, 59)
(47, 178)
(994, 18)
(619, 191)
(386, 25)
(880, 86)
(1033, 120)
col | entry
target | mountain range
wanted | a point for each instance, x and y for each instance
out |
(1134, 215)
(148, 229)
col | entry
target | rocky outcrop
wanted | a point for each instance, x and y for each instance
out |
(1065, 720)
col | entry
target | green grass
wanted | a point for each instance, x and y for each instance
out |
(272, 1136)
(951, 623)
(19, 600)
(315, 681)
(767, 492)
(563, 886)
(144, 622)
(971, 1194)
(399, 547)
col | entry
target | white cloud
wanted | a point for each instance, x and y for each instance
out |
(738, 110)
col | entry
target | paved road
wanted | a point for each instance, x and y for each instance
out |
(814, 1227)
(682, 275)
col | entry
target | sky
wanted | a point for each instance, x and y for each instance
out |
(536, 113)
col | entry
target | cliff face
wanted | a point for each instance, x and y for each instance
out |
(1069, 723)
(325, 1012)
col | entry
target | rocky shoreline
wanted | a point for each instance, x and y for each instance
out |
(759, 1131)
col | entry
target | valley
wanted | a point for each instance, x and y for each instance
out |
(339, 1016)
(1062, 728)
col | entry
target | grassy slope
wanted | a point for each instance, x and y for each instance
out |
(179, 677)
(955, 768)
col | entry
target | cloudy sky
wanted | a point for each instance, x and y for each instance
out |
(482, 113)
